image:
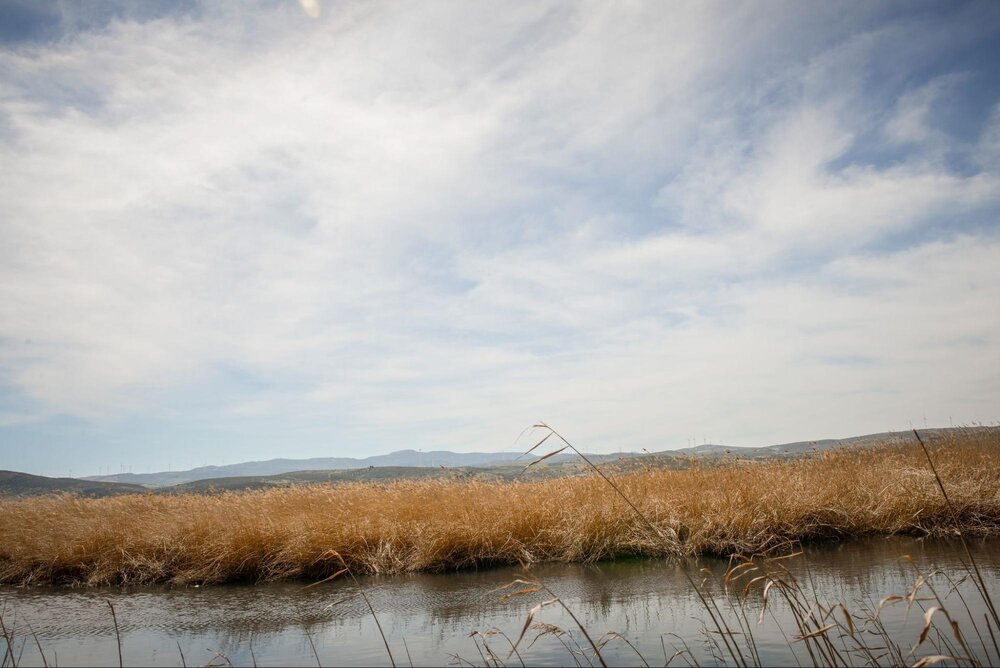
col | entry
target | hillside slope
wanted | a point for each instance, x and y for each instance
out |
(14, 483)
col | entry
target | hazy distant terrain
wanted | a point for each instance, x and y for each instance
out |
(414, 465)
(408, 458)
(799, 447)
(375, 474)
(436, 459)
(13, 483)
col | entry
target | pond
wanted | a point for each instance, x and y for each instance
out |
(427, 618)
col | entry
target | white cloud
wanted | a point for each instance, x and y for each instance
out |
(446, 223)
(910, 121)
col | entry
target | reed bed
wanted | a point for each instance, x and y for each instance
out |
(311, 532)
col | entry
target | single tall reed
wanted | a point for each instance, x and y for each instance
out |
(830, 639)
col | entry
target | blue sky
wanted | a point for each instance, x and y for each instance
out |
(240, 231)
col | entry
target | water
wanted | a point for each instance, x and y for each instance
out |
(640, 599)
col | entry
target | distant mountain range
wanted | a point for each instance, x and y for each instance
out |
(438, 458)
(799, 447)
(404, 464)
(407, 458)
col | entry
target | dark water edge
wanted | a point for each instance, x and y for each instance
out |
(641, 599)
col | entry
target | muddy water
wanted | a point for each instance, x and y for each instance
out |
(428, 618)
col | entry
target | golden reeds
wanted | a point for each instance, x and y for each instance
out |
(715, 508)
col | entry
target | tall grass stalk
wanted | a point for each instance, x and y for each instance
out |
(814, 621)
(8, 637)
(118, 636)
(361, 592)
(980, 582)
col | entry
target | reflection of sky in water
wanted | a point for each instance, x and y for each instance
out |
(434, 613)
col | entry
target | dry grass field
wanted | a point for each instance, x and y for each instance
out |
(718, 508)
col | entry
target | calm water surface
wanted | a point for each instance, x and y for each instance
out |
(643, 600)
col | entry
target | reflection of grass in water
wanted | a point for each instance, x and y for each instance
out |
(816, 631)
(713, 507)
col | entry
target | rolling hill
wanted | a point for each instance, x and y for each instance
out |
(13, 483)
(270, 467)
(413, 464)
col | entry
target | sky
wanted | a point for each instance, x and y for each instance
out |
(235, 231)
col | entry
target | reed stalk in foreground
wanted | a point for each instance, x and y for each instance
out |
(118, 636)
(978, 576)
(362, 593)
(828, 639)
(717, 508)
(817, 632)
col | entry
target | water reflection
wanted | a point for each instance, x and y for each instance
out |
(641, 599)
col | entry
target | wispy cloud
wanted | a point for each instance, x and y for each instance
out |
(429, 225)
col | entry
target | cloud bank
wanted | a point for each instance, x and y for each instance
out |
(312, 229)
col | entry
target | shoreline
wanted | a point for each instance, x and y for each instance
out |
(809, 547)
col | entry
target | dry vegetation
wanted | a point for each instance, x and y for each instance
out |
(717, 508)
